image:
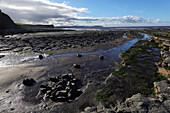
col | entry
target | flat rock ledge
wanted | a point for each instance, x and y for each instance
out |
(140, 103)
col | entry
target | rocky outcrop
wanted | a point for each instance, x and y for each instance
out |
(164, 64)
(139, 103)
(6, 22)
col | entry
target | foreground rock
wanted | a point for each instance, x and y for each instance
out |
(139, 103)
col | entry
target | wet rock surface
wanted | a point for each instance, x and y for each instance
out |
(52, 42)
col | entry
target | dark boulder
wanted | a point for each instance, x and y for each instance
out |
(1, 56)
(41, 57)
(101, 57)
(76, 66)
(29, 82)
(79, 55)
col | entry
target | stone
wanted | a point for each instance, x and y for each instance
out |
(40, 57)
(12, 109)
(79, 55)
(71, 75)
(65, 76)
(151, 40)
(162, 88)
(166, 62)
(90, 109)
(101, 57)
(43, 90)
(61, 99)
(32, 80)
(29, 82)
(1, 56)
(53, 79)
(76, 66)
(60, 87)
(61, 93)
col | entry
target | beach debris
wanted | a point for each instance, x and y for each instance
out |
(29, 82)
(62, 88)
(76, 66)
(41, 57)
(101, 57)
(79, 55)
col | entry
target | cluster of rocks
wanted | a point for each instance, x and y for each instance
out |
(51, 42)
(164, 64)
(61, 88)
(140, 103)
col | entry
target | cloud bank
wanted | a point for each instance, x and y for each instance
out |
(46, 12)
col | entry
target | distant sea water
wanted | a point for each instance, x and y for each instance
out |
(110, 28)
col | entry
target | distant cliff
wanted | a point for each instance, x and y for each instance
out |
(6, 22)
(31, 27)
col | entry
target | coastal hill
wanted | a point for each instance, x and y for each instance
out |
(6, 22)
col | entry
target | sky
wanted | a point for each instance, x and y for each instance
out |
(108, 13)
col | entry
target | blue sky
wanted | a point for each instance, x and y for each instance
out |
(89, 12)
(155, 9)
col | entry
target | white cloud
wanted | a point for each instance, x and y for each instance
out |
(46, 12)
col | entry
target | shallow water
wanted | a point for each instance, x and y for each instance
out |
(111, 55)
